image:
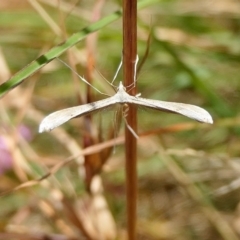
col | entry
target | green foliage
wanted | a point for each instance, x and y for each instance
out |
(185, 168)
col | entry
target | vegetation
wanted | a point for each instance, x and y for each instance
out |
(70, 183)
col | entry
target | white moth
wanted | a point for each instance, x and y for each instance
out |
(122, 97)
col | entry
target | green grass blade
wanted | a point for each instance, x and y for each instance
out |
(56, 51)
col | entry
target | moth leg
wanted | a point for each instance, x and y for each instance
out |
(125, 113)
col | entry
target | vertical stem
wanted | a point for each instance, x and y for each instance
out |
(129, 57)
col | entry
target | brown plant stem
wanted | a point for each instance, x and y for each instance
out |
(129, 57)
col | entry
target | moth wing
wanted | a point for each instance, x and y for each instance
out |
(57, 118)
(188, 110)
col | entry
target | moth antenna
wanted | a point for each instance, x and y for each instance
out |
(82, 78)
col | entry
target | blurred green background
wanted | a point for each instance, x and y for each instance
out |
(188, 172)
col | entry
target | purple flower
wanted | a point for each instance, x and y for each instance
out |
(25, 132)
(5, 157)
